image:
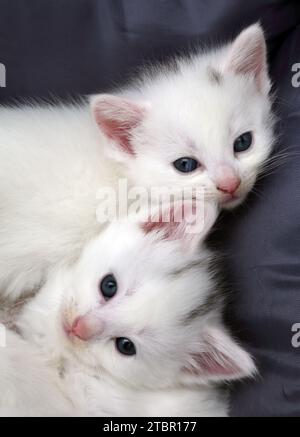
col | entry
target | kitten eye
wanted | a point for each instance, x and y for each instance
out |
(109, 286)
(243, 142)
(186, 164)
(125, 346)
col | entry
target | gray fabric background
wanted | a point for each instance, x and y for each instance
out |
(263, 244)
(67, 47)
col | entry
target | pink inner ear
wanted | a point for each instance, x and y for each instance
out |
(248, 55)
(218, 357)
(169, 229)
(117, 118)
(210, 364)
(175, 226)
(119, 132)
(254, 63)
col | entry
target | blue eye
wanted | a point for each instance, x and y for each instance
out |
(109, 286)
(243, 142)
(186, 164)
(125, 346)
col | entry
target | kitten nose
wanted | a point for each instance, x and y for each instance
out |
(86, 327)
(227, 180)
(229, 186)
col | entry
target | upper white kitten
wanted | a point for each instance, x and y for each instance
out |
(212, 110)
(135, 326)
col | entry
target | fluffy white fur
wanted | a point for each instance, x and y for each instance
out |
(29, 385)
(165, 304)
(53, 160)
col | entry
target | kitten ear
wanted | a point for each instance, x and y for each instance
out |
(117, 117)
(218, 358)
(248, 56)
(187, 221)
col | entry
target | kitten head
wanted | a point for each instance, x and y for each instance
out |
(141, 306)
(205, 123)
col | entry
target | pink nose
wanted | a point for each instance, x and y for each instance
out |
(87, 327)
(227, 180)
(229, 186)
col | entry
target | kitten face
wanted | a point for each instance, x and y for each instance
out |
(137, 307)
(207, 133)
(214, 111)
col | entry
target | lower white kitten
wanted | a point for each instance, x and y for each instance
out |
(133, 328)
(205, 122)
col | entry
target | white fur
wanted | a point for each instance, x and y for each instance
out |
(179, 355)
(53, 160)
(31, 387)
(28, 382)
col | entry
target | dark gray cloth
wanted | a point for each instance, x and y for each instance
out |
(62, 48)
(263, 243)
(69, 47)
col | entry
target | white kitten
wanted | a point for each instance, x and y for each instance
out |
(135, 326)
(205, 123)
